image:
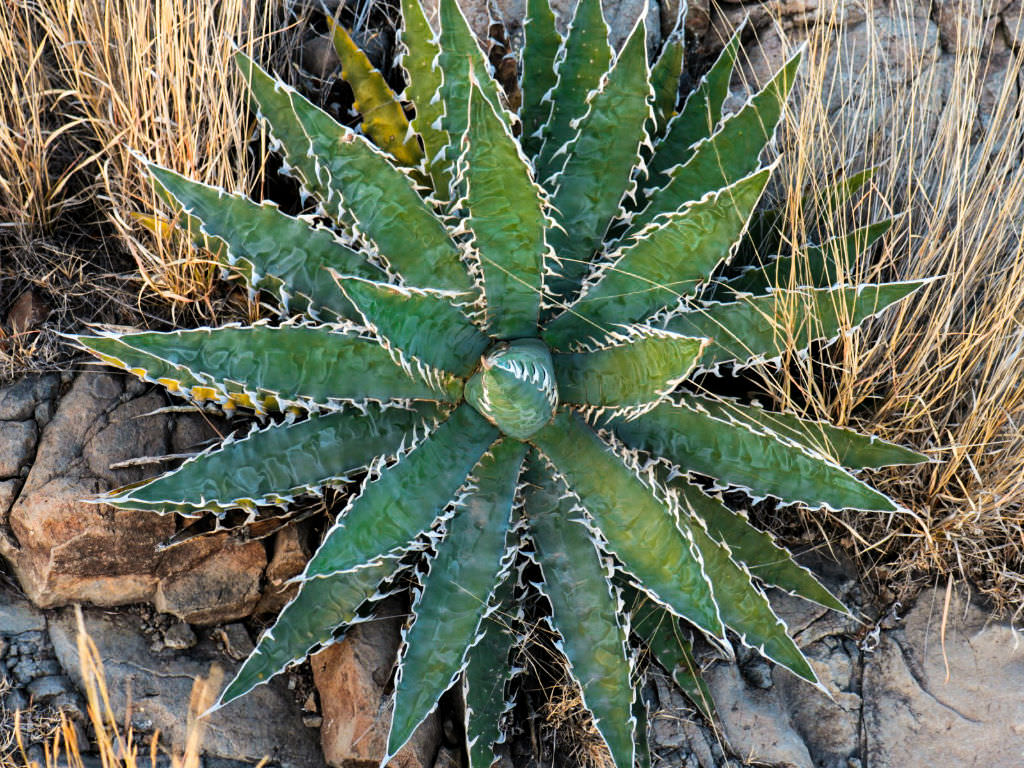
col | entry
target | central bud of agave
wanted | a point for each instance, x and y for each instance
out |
(514, 388)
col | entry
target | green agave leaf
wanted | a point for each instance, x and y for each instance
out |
(661, 263)
(486, 676)
(268, 368)
(820, 266)
(753, 329)
(309, 620)
(384, 120)
(421, 324)
(764, 235)
(756, 549)
(727, 155)
(639, 530)
(699, 116)
(665, 75)
(277, 464)
(746, 610)
(581, 61)
(456, 590)
(507, 219)
(406, 498)
(661, 632)
(461, 61)
(419, 52)
(641, 368)
(845, 447)
(271, 249)
(757, 462)
(357, 180)
(642, 749)
(584, 610)
(539, 76)
(601, 157)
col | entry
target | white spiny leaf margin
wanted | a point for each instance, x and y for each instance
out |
(767, 433)
(623, 336)
(436, 538)
(675, 472)
(547, 98)
(473, 255)
(802, 352)
(643, 471)
(407, 362)
(251, 504)
(601, 552)
(221, 396)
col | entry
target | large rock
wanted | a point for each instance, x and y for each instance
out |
(955, 699)
(352, 677)
(66, 548)
(153, 689)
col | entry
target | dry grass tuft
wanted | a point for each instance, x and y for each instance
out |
(943, 372)
(115, 745)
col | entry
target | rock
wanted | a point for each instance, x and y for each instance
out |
(447, 758)
(8, 493)
(288, 561)
(179, 637)
(28, 312)
(18, 401)
(1013, 23)
(18, 615)
(352, 677)
(262, 723)
(215, 579)
(917, 715)
(17, 441)
(66, 549)
(966, 25)
(44, 689)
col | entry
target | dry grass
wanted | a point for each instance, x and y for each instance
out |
(115, 744)
(945, 371)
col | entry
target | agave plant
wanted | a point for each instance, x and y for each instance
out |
(492, 324)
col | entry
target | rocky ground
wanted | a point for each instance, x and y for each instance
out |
(928, 684)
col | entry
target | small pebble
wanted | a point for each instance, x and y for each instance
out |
(312, 720)
(43, 689)
(179, 636)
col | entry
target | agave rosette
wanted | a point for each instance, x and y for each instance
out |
(495, 334)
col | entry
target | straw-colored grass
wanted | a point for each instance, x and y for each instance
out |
(114, 743)
(945, 371)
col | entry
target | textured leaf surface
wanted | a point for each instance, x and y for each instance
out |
(660, 630)
(640, 371)
(276, 464)
(459, 54)
(406, 498)
(665, 75)
(727, 155)
(273, 250)
(736, 455)
(267, 368)
(539, 77)
(583, 59)
(506, 216)
(846, 447)
(756, 549)
(456, 590)
(354, 178)
(320, 607)
(384, 119)
(754, 328)
(486, 675)
(419, 323)
(746, 610)
(660, 264)
(698, 117)
(821, 266)
(584, 610)
(639, 529)
(601, 158)
(419, 54)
